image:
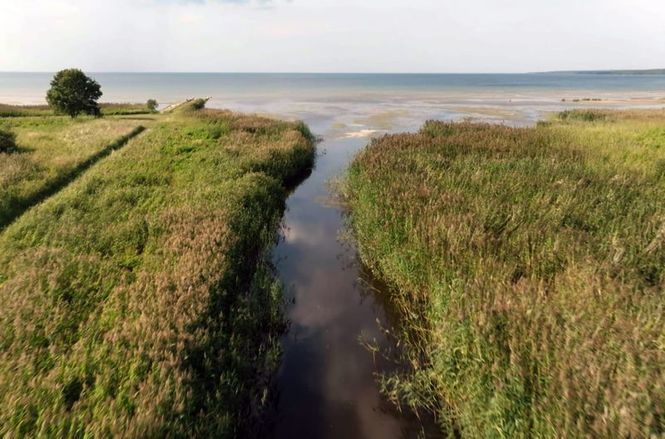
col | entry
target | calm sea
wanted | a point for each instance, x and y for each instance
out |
(356, 99)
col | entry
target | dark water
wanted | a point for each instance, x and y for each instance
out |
(326, 384)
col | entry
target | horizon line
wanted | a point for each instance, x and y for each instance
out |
(175, 72)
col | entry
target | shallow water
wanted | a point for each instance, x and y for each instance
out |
(361, 101)
(326, 385)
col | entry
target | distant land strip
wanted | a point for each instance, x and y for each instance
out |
(613, 72)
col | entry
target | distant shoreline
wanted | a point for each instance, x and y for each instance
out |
(611, 72)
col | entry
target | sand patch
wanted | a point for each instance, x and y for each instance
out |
(384, 120)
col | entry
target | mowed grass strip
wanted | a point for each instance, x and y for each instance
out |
(50, 152)
(138, 301)
(528, 266)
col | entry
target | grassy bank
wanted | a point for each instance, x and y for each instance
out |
(137, 301)
(528, 266)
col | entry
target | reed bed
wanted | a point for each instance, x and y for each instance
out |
(138, 301)
(527, 266)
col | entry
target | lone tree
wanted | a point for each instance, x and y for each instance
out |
(73, 93)
(152, 105)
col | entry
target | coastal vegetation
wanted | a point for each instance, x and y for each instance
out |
(527, 268)
(137, 297)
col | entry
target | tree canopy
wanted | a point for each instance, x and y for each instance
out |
(72, 92)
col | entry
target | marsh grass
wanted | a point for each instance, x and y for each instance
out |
(528, 266)
(138, 301)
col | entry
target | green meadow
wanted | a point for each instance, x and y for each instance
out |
(527, 268)
(137, 296)
(50, 152)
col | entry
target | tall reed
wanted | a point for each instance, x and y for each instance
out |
(528, 266)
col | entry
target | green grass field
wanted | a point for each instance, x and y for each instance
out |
(528, 268)
(138, 301)
(52, 151)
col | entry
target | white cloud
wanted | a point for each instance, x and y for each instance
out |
(331, 35)
(202, 2)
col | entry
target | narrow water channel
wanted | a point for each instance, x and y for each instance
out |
(326, 386)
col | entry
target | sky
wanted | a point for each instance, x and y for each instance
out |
(419, 36)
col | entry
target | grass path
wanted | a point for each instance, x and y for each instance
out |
(52, 152)
(20, 204)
